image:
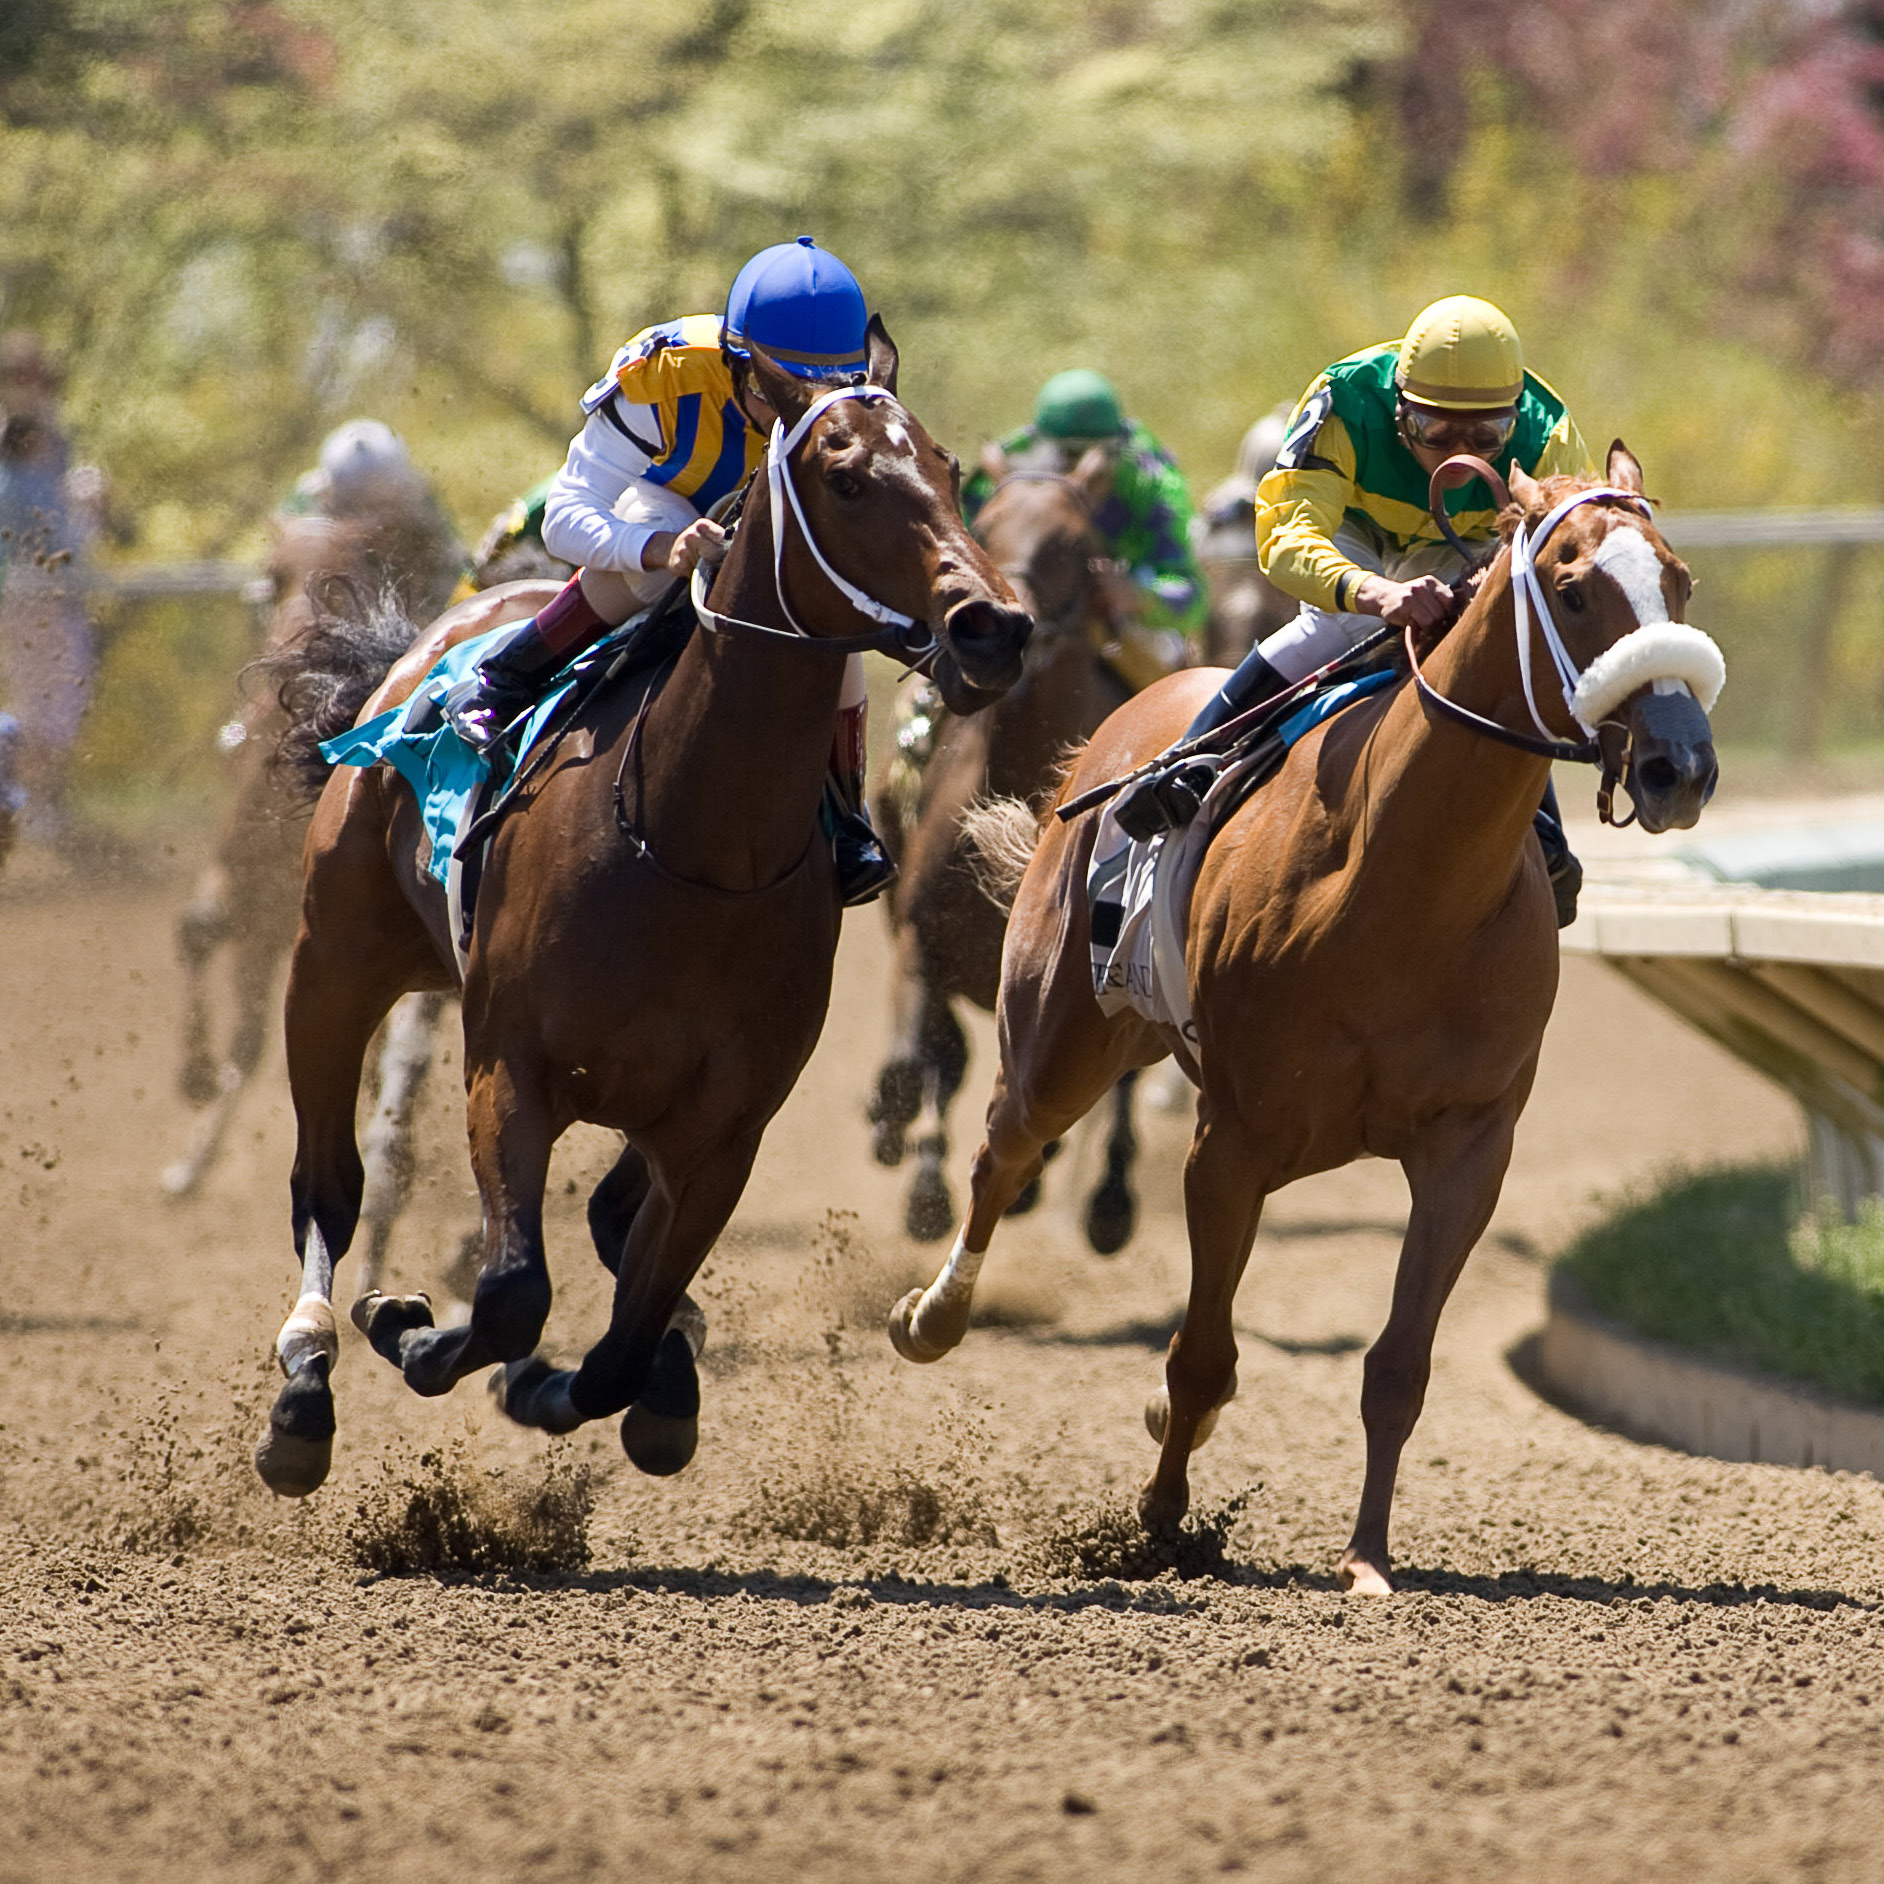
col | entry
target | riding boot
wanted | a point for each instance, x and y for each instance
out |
(1169, 799)
(507, 682)
(864, 868)
(1566, 874)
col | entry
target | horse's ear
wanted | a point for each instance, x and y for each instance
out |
(994, 462)
(880, 350)
(1093, 475)
(789, 396)
(1624, 469)
(1525, 491)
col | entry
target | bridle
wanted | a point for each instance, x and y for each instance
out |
(903, 637)
(1590, 695)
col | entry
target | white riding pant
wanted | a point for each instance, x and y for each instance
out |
(1317, 635)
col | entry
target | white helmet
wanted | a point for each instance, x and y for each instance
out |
(360, 461)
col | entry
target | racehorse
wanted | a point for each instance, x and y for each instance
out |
(1371, 954)
(1037, 526)
(248, 899)
(652, 944)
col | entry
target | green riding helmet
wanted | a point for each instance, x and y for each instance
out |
(1079, 407)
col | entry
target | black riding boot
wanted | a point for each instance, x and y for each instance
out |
(1169, 799)
(864, 868)
(503, 686)
(1566, 874)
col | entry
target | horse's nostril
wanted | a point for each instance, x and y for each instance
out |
(1659, 775)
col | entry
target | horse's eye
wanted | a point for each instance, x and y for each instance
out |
(844, 485)
(1572, 596)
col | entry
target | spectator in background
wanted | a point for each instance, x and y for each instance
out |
(50, 511)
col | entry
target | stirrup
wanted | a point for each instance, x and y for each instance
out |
(1561, 866)
(1166, 801)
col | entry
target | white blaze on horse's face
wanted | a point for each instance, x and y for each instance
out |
(1627, 557)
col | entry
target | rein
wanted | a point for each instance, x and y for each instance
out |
(902, 637)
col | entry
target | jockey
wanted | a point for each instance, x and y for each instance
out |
(1145, 523)
(365, 476)
(512, 550)
(1343, 524)
(673, 426)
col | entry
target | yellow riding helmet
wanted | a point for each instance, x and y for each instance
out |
(1462, 354)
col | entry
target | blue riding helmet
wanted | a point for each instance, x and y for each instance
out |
(804, 307)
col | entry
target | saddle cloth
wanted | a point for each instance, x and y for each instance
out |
(455, 784)
(1138, 894)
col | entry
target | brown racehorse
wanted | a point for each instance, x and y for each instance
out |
(654, 935)
(1371, 957)
(947, 930)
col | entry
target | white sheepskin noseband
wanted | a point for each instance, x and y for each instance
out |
(1658, 650)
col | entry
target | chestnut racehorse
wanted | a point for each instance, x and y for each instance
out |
(653, 939)
(1037, 527)
(1371, 953)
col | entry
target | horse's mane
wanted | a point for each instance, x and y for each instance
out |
(326, 673)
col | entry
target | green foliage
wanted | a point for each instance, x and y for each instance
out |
(245, 220)
(1722, 1262)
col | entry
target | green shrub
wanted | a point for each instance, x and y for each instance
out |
(1725, 1261)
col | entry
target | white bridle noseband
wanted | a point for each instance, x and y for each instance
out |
(1656, 650)
(904, 636)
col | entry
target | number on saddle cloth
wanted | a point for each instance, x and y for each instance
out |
(1138, 892)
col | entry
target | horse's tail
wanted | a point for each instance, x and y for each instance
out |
(1001, 833)
(327, 672)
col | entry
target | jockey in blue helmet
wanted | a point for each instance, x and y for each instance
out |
(675, 424)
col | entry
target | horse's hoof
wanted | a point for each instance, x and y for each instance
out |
(661, 1430)
(296, 1448)
(1111, 1217)
(535, 1394)
(931, 1213)
(906, 1339)
(384, 1318)
(1158, 1418)
(1159, 1514)
(180, 1180)
(1029, 1199)
(1360, 1578)
(888, 1143)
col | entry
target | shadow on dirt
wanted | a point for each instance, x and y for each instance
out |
(1156, 1335)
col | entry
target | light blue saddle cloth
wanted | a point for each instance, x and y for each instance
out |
(417, 741)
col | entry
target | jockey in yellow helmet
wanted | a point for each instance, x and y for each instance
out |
(1343, 524)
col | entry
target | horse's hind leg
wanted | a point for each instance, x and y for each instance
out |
(201, 930)
(336, 998)
(1454, 1175)
(944, 1056)
(1223, 1194)
(1112, 1210)
(512, 1135)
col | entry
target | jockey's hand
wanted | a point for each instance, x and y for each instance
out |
(1426, 603)
(703, 541)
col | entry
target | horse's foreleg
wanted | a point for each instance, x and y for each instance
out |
(405, 1061)
(1454, 1175)
(1223, 1197)
(1112, 1210)
(615, 1203)
(201, 930)
(512, 1135)
(898, 1097)
(943, 1048)
(644, 1364)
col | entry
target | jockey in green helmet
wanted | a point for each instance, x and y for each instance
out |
(673, 426)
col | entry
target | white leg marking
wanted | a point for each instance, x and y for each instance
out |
(310, 1327)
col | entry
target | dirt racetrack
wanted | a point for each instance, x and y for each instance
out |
(871, 1632)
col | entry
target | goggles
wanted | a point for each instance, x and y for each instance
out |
(1485, 434)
